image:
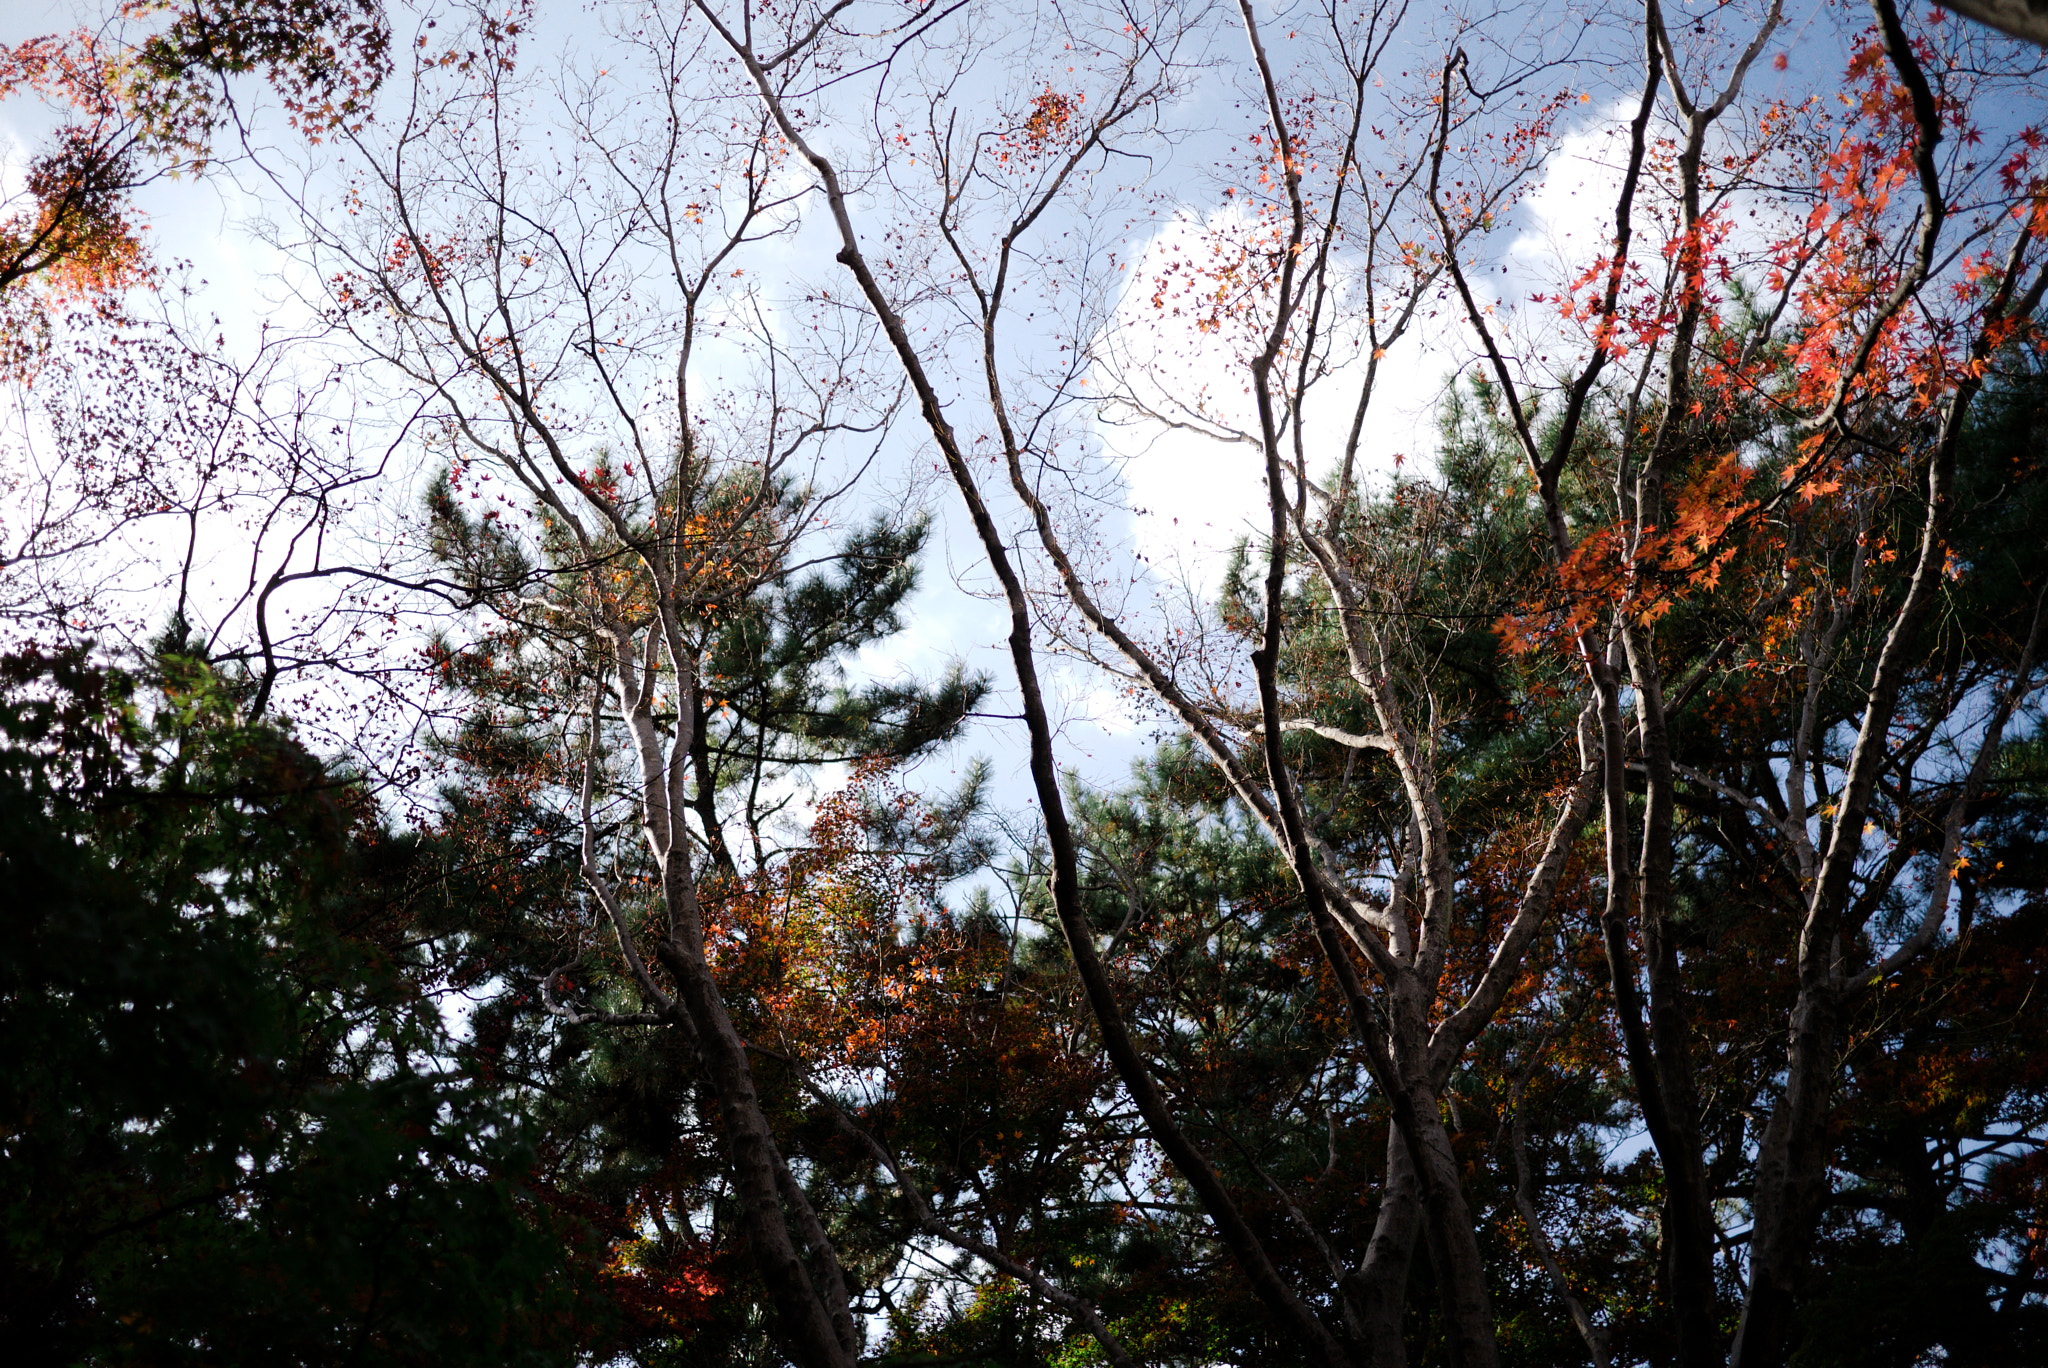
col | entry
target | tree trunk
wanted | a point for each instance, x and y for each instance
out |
(1687, 1217)
(1447, 1218)
(1378, 1287)
(1791, 1184)
(817, 1333)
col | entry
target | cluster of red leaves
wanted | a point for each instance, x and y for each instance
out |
(1849, 349)
(666, 1294)
(845, 959)
(147, 96)
(845, 948)
(73, 235)
(1050, 114)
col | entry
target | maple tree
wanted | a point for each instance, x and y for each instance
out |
(149, 95)
(655, 658)
(129, 406)
(638, 1133)
(1685, 491)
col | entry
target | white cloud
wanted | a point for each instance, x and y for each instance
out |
(1197, 488)
(1193, 495)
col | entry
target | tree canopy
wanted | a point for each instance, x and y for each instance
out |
(544, 767)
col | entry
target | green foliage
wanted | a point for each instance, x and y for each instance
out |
(228, 1125)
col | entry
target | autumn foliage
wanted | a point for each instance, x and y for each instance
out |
(1579, 894)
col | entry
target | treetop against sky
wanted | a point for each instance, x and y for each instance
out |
(1495, 550)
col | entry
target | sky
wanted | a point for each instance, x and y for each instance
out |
(1185, 499)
